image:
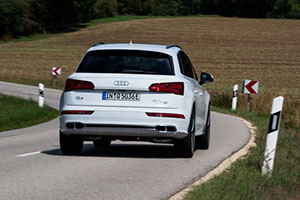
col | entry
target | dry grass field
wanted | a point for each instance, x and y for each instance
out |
(232, 49)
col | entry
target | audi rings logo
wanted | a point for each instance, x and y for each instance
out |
(121, 83)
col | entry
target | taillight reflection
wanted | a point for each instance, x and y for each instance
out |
(77, 112)
(72, 84)
(175, 88)
(170, 115)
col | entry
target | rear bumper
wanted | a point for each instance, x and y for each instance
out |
(123, 130)
(134, 122)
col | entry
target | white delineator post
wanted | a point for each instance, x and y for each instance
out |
(234, 97)
(41, 95)
(272, 136)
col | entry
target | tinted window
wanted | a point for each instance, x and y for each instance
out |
(186, 66)
(126, 61)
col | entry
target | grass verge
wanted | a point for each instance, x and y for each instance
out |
(19, 113)
(243, 179)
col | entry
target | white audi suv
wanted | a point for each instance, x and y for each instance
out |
(135, 92)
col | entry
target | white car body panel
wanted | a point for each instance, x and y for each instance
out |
(129, 118)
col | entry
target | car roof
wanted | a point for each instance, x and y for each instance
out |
(169, 49)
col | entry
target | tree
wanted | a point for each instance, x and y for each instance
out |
(208, 6)
(284, 9)
(173, 8)
(57, 16)
(105, 8)
(134, 7)
(195, 7)
(252, 8)
(148, 7)
(162, 7)
(83, 9)
(122, 7)
(225, 8)
(189, 7)
(12, 15)
(295, 10)
(52, 16)
(130, 7)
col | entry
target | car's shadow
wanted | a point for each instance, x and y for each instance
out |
(122, 150)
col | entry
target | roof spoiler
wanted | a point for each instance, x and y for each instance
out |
(173, 45)
(99, 43)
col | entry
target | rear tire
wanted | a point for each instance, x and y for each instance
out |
(185, 147)
(70, 144)
(202, 141)
(102, 143)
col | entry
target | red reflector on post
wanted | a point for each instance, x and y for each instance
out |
(78, 85)
(175, 88)
(76, 112)
(170, 115)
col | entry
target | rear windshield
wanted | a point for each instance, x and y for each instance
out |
(126, 61)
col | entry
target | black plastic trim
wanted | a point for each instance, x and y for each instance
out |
(173, 45)
(274, 127)
(116, 126)
(99, 43)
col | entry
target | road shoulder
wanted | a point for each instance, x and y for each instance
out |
(223, 165)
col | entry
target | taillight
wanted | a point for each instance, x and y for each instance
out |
(77, 112)
(170, 115)
(78, 85)
(176, 88)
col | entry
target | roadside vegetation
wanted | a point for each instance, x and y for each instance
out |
(243, 180)
(18, 113)
(24, 17)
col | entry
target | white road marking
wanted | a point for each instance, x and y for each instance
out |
(28, 154)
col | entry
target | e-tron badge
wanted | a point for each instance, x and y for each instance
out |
(121, 83)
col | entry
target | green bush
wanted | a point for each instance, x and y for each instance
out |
(221, 100)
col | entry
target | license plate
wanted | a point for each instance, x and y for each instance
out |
(121, 96)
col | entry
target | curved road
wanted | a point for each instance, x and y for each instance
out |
(33, 167)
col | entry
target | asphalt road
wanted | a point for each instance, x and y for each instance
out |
(33, 167)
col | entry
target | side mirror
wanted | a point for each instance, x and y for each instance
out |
(206, 78)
